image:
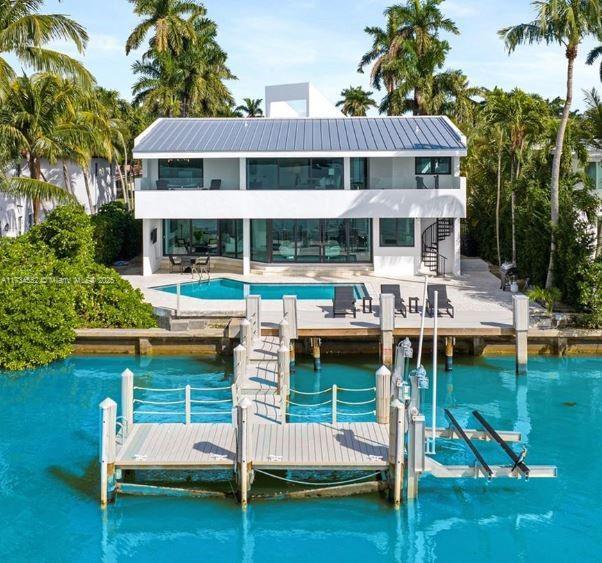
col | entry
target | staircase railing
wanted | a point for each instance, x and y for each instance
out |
(431, 237)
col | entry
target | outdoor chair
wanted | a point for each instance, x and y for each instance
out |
(344, 301)
(443, 302)
(215, 184)
(400, 306)
(175, 263)
(162, 185)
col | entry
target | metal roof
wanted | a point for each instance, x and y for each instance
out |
(256, 135)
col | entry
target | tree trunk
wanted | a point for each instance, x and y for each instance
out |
(66, 179)
(34, 173)
(86, 174)
(571, 54)
(123, 187)
(497, 201)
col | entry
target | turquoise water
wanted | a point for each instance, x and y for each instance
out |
(223, 288)
(49, 476)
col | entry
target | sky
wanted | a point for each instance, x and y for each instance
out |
(321, 41)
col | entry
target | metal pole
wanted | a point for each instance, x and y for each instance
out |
(422, 318)
(127, 401)
(187, 404)
(334, 404)
(435, 322)
(178, 299)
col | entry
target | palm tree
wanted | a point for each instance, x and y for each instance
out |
(24, 33)
(250, 107)
(382, 56)
(158, 86)
(39, 119)
(593, 55)
(567, 23)
(417, 36)
(171, 20)
(356, 101)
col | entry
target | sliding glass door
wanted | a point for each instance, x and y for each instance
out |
(311, 240)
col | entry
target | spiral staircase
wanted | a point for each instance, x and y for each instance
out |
(434, 234)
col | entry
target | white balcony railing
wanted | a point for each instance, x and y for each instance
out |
(301, 204)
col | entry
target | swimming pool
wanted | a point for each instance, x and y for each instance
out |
(49, 474)
(225, 288)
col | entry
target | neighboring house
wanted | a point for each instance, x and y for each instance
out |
(16, 214)
(594, 169)
(307, 191)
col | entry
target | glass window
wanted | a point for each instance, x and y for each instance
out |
(283, 240)
(435, 165)
(360, 240)
(230, 238)
(259, 240)
(176, 236)
(335, 240)
(396, 232)
(359, 173)
(204, 238)
(594, 171)
(180, 173)
(327, 173)
(309, 241)
(294, 173)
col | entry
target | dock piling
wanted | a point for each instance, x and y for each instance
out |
(289, 305)
(127, 401)
(253, 313)
(520, 310)
(108, 422)
(396, 449)
(315, 352)
(335, 392)
(245, 334)
(240, 363)
(383, 394)
(449, 353)
(387, 324)
(243, 441)
(416, 461)
(178, 300)
(283, 367)
(187, 404)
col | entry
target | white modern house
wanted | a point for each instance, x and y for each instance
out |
(304, 189)
(16, 214)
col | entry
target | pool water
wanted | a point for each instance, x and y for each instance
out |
(49, 475)
(224, 288)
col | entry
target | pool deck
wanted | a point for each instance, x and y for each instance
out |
(479, 303)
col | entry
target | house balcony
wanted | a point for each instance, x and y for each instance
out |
(302, 204)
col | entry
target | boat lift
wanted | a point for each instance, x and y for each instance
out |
(420, 441)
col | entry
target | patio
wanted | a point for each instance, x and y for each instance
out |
(478, 301)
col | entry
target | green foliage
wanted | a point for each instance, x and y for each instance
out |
(590, 290)
(117, 233)
(37, 314)
(546, 297)
(110, 301)
(68, 232)
(50, 284)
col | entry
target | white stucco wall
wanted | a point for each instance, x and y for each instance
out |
(151, 252)
(15, 212)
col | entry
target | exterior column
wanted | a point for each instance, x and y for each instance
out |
(147, 248)
(457, 270)
(347, 173)
(246, 247)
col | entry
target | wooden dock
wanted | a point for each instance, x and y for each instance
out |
(261, 438)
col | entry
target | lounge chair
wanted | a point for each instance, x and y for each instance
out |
(175, 263)
(344, 301)
(400, 306)
(162, 184)
(443, 302)
(215, 184)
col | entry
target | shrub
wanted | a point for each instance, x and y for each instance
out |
(545, 297)
(118, 234)
(67, 230)
(107, 300)
(37, 314)
(590, 293)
